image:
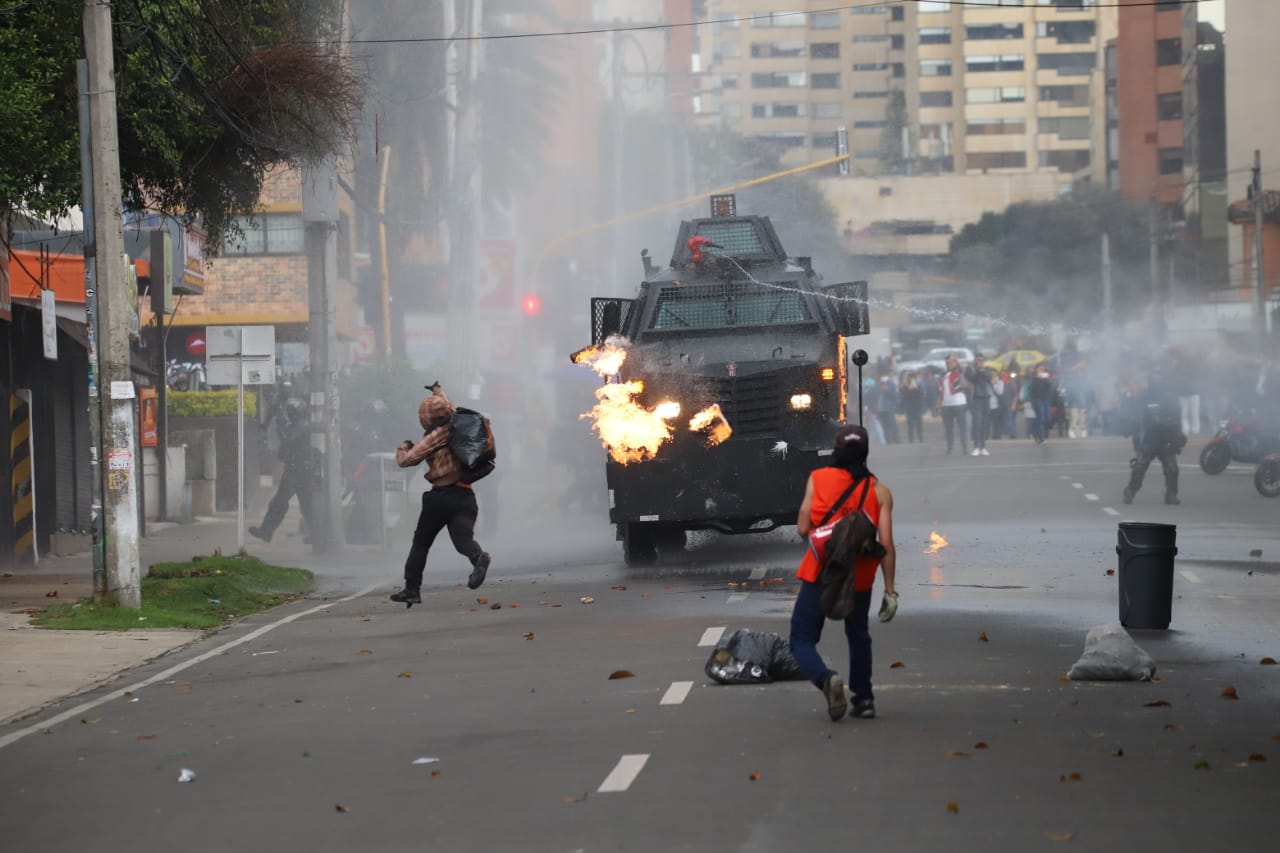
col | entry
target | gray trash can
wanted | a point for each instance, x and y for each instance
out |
(1146, 554)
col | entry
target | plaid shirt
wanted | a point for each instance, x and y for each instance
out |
(443, 468)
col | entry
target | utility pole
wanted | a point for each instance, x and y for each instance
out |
(1106, 281)
(120, 531)
(1259, 276)
(320, 217)
(464, 193)
(1153, 236)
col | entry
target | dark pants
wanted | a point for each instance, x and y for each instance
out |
(807, 620)
(1168, 461)
(915, 427)
(953, 419)
(444, 506)
(295, 480)
(981, 410)
(889, 423)
(1043, 413)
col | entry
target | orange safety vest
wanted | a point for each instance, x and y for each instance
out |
(828, 485)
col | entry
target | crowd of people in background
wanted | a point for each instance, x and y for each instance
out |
(1072, 395)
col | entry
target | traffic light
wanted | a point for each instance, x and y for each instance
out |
(531, 305)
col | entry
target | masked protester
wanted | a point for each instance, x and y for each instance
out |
(295, 453)
(1158, 435)
(824, 490)
(449, 503)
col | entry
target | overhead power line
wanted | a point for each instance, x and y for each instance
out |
(631, 28)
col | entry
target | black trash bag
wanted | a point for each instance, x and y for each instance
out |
(752, 657)
(471, 438)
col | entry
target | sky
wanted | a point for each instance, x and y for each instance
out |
(1214, 12)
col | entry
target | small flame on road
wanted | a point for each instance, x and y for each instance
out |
(936, 543)
(711, 421)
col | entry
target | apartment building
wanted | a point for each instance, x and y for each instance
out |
(1149, 99)
(922, 87)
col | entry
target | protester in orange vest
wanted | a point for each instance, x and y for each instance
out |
(824, 489)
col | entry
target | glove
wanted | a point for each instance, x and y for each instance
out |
(888, 607)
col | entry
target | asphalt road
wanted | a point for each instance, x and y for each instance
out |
(303, 735)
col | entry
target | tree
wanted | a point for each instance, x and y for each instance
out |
(1044, 257)
(210, 95)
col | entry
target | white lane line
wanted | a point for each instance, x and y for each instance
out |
(757, 574)
(1109, 511)
(711, 636)
(738, 597)
(1089, 496)
(1063, 477)
(676, 693)
(620, 779)
(1077, 485)
(72, 713)
(1189, 575)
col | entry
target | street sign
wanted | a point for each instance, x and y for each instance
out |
(236, 354)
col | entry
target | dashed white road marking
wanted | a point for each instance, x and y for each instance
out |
(1089, 496)
(1109, 511)
(1063, 477)
(676, 693)
(621, 777)
(738, 597)
(1189, 575)
(1077, 485)
(711, 636)
(757, 574)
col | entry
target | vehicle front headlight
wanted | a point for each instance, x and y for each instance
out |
(668, 410)
(801, 401)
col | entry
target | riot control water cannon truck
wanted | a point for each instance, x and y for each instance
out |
(753, 342)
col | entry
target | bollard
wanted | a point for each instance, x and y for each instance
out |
(1146, 553)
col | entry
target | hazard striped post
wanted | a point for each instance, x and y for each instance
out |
(21, 485)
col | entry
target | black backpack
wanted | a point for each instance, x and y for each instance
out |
(854, 535)
(471, 441)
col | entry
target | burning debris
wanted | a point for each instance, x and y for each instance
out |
(936, 543)
(629, 431)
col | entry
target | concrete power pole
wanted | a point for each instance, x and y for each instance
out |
(1106, 281)
(465, 200)
(320, 216)
(1259, 275)
(120, 531)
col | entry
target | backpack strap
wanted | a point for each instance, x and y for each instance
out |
(840, 501)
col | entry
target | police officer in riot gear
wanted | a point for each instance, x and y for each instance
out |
(1157, 434)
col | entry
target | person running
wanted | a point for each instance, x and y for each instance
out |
(448, 503)
(295, 453)
(1157, 435)
(823, 490)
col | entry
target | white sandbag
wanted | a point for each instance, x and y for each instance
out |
(1110, 654)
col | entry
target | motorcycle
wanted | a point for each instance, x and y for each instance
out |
(1242, 439)
(186, 376)
(1266, 477)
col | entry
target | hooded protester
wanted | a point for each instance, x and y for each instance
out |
(449, 503)
(295, 453)
(830, 494)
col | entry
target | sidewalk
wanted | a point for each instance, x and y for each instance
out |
(40, 666)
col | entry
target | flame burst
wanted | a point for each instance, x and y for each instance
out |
(629, 431)
(936, 543)
(606, 359)
(711, 421)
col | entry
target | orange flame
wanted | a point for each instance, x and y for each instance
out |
(605, 360)
(629, 431)
(936, 543)
(713, 422)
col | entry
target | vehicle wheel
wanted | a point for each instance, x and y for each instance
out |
(670, 540)
(1266, 477)
(639, 547)
(1215, 458)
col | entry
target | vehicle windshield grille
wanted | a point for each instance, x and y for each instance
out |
(733, 238)
(715, 306)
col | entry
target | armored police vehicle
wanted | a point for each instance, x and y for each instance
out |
(735, 323)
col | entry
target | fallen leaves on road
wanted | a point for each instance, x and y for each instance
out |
(733, 585)
(619, 588)
(340, 808)
(1203, 765)
(1064, 678)
(621, 673)
(897, 665)
(1257, 756)
(586, 599)
(982, 638)
(1110, 572)
(147, 737)
(495, 606)
(1159, 703)
(774, 581)
(529, 636)
(435, 774)
(1170, 727)
(1268, 661)
(959, 755)
(91, 722)
(482, 601)
(405, 675)
(53, 593)
(1117, 753)
(754, 777)
(543, 603)
(573, 799)
(1059, 836)
(514, 605)
(666, 586)
(982, 744)
(1229, 693)
(953, 807)
(1073, 776)
(365, 652)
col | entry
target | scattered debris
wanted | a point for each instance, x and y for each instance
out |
(1159, 703)
(405, 675)
(1110, 572)
(621, 673)
(573, 799)
(1268, 661)
(482, 601)
(1117, 753)
(426, 761)
(959, 755)
(529, 636)
(1110, 654)
(982, 637)
(435, 774)
(272, 652)
(586, 599)
(1059, 836)
(365, 652)
(1203, 765)
(1257, 756)
(1071, 777)
(621, 588)
(982, 744)
(754, 777)
(897, 665)
(340, 808)
(953, 807)
(495, 606)
(53, 593)
(92, 722)
(186, 775)
(147, 737)
(1229, 693)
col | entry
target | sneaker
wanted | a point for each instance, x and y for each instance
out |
(260, 534)
(986, 452)
(976, 452)
(836, 703)
(1172, 500)
(478, 573)
(408, 597)
(1128, 496)
(864, 709)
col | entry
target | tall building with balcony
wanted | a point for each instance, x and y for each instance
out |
(925, 87)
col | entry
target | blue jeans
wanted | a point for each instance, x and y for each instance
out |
(1042, 418)
(807, 620)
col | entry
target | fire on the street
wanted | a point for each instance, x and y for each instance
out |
(936, 543)
(629, 431)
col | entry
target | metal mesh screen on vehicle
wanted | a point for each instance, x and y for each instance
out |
(609, 316)
(733, 238)
(714, 306)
